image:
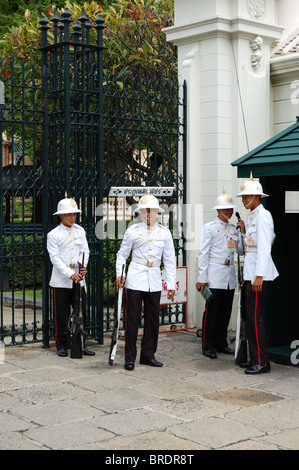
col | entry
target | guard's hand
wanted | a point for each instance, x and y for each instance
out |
(76, 277)
(257, 286)
(201, 285)
(83, 271)
(170, 294)
(119, 282)
(241, 225)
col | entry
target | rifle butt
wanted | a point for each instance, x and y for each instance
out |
(76, 347)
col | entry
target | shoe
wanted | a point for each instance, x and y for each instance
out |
(226, 350)
(151, 362)
(258, 369)
(129, 365)
(210, 353)
(62, 352)
(88, 352)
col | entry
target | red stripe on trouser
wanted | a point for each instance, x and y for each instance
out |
(204, 328)
(126, 320)
(256, 332)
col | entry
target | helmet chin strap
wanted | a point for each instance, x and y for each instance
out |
(249, 203)
(223, 215)
(148, 220)
(65, 221)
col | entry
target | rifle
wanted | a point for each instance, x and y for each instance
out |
(241, 337)
(76, 319)
(117, 311)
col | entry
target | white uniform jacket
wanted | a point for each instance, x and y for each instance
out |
(147, 244)
(215, 257)
(258, 242)
(66, 246)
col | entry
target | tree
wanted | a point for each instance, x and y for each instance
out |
(12, 11)
(135, 39)
(133, 36)
(135, 45)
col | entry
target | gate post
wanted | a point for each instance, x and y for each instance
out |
(100, 199)
(65, 27)
(45, 208)
(72, 153)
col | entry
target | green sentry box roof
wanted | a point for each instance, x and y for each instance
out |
(276, 157)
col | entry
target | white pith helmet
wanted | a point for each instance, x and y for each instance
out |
(252, 188)
(67, 206)
(224, 201)
(148, 202)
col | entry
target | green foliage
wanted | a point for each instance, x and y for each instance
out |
(12, 11)
(133, 36)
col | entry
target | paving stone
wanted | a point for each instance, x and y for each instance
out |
(243, 397)
(68, 435)
(58, 412)
(191, 403)
(172, 389)
(10, 422)
(252, 444)
(269, 417)
(215, 432)
(46, 392)
(288, 439)
(17, 441)
(120, 399)
(157, 440)
(192, 408)
(44, 375)
(7, 383)
(134, 422)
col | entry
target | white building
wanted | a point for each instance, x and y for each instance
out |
(240, 60)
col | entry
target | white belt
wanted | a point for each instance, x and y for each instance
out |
(226, 262)
(147, 262)
(250, 249)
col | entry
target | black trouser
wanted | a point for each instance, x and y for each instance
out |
(256, 323)
(216, 319)
(149, 340)
(63, 300)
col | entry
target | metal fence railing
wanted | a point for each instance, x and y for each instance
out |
(66, 127)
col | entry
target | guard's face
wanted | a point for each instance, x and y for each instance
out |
(250, 201)
(225, 214)
(68, 219)
(149, 215)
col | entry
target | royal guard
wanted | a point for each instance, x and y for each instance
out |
(219, 241)
(66, 245)
(148, 242)
(259, 271)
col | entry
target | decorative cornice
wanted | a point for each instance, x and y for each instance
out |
(216, 26)
(284, 65)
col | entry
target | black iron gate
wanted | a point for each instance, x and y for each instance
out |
(74, 129)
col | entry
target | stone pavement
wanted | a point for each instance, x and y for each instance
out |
(192, 403)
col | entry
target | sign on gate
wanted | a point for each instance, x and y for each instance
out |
(181, 291)
(140, 191)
